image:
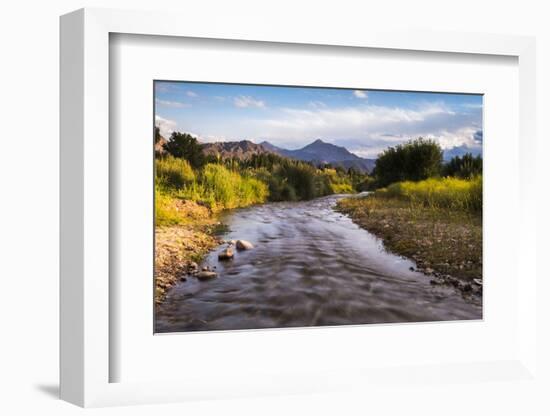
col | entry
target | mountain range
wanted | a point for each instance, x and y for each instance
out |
(322, 152)
(240, 150)
(317, 152)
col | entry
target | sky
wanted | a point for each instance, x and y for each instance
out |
(364, 121)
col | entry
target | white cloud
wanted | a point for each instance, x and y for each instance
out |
(360, 94)
(191, 94)
(349, 121)
(173, 104)
(368, 129)
(244, 101)
(165, 126)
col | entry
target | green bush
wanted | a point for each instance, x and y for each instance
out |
(413, 161)
(185, 146)
(466, 166)
(228, 189)
(165, 212)
(173, 172)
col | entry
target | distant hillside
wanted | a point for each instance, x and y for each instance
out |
(240, 150)
(159, 145)
(322, 152)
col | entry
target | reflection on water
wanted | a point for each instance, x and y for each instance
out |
(310, 266)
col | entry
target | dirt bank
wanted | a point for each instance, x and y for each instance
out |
(445, 244)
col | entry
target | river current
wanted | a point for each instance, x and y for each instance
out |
(310, 266)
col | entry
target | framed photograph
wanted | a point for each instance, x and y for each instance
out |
(278, 213)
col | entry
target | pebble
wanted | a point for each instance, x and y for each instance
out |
(226, 254)
(244, 245)
(205, 275)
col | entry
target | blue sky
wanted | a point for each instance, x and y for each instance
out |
(364, 121)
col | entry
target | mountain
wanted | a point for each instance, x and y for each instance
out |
(459, 151)
(240, 150)
(323, 152)
(159, 145)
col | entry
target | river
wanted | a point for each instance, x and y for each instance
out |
(310, 266)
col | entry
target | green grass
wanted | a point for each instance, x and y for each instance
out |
(445, 193)
(214, 186)
(226, 189)
(234, 184)
(173, 172)
(166, 212)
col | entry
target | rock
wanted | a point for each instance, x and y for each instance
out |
(244, 245)
(226, 254)
(411, 269)
(478, 282)
(428, 270)
(467, 287)
(205, 275)
(192, 265)
(232, 242)
(183, 278)
(205, 268)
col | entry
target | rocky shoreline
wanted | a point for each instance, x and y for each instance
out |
(444, 245)
(180, 249)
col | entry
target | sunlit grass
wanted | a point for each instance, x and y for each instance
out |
(447, 193)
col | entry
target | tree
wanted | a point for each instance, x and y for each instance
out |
(415, 160)
(465, 166)
(183, 145)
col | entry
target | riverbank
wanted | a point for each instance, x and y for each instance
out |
(444, 243)
(309, 266)
(179, 247)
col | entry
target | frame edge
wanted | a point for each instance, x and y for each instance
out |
(71, 202)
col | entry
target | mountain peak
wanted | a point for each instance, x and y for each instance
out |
(319, 141)
(317, 151)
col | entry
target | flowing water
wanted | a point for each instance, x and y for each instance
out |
(310, 266)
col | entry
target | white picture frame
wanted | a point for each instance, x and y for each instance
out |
(85, 211)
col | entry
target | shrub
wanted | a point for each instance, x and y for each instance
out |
(415, 160)
(301, 178)
(172, 172)
(465, 167)
(447, 193)
(165, 210)
(183, 145)
(228, 189)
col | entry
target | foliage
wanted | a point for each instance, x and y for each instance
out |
(290, 179)
(174, 172)
(464, 167)
(183, 145)
(165, 209)
(447, 193)
(415, 160)
(226, 189)
(229, 183)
